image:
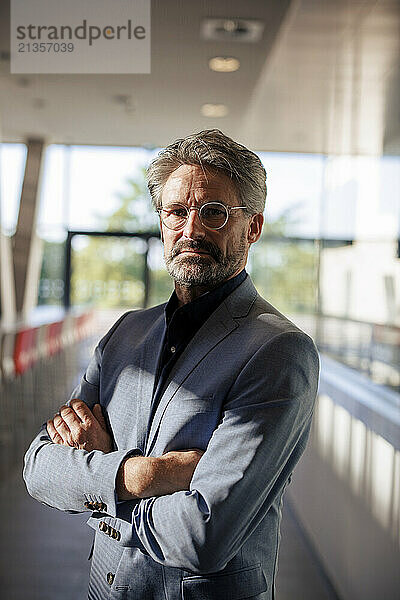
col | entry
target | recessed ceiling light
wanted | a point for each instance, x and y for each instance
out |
(224, 64)
(214, 110)
(232, 30)
(230, 25)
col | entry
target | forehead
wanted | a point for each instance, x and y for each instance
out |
(192, 183)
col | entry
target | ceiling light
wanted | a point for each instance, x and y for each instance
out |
(214, 110)
(224, 64)
(229, 25)
(232, 30)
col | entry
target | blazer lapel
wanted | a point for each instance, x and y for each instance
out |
(148, 360)
(219, 325)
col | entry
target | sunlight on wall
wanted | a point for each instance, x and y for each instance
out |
(323, 420)
(357, 455)
(363, 459)
(341, 440)
(381, 479)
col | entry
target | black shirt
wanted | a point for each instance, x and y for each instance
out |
(181, 324)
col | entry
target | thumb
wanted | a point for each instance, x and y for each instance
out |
(98, 413)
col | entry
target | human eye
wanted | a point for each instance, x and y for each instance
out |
(176, 211)
(213, 210)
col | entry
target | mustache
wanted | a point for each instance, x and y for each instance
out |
(203, 245)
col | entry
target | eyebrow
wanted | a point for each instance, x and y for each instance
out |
(172, 203)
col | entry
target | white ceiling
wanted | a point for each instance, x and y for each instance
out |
(323, 78)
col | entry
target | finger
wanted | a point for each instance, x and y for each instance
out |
(70, 418)
(63, 429)
(98, 413)
(53, 433)
(82, 410)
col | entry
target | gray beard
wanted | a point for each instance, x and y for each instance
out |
(193, 271)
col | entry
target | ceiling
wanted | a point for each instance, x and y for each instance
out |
(324, 78)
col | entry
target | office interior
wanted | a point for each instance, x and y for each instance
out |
(312, 86)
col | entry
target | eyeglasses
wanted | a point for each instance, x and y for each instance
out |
(212, 215)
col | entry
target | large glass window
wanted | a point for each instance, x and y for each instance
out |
(108, 272)
(328, 256)
(12, 166)
(360, 281)
(294, 187)
(96, 189)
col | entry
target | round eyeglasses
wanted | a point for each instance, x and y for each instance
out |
(212, 215)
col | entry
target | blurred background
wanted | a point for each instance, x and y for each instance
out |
(313, 87)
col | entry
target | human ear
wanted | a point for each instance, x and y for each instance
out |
(255, 228)
(161, 231)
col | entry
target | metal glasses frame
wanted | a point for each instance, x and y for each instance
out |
(228, 210)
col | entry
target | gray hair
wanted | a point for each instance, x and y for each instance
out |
(212, 148)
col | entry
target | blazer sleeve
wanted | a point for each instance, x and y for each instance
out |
(67, 478)
(249, 459)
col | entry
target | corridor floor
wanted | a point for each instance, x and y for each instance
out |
(43, 553)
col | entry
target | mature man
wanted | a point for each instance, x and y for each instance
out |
(191, 416)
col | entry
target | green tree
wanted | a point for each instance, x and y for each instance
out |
(284, 270)
(135, 212)
(51, 285)
(109, 271)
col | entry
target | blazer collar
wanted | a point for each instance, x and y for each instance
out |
(242, 299)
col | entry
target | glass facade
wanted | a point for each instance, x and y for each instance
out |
(328, 256)
(12, 165)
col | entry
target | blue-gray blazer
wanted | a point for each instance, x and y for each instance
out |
(243, 390)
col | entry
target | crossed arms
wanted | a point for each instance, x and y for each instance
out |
(218, 499)
(138, 477)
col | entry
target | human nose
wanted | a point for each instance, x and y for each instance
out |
(193, 227)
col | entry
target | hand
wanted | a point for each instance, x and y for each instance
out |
(77, 426)
(146, 476)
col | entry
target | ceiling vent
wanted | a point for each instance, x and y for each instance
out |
(232, 30)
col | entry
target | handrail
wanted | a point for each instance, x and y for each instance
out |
(376, 406)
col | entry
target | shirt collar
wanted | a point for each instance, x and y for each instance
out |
(200, 309)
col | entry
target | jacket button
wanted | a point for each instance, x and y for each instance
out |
(110, 578)
(103, 526)
(87, 505)
(118, 536)
(114, 534)
(103, 507)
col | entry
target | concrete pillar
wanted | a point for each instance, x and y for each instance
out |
(7, 288)
(26, 245)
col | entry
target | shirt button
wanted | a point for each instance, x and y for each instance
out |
(173, 349)
(110, 578)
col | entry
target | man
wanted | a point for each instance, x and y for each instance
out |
(191, 416)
